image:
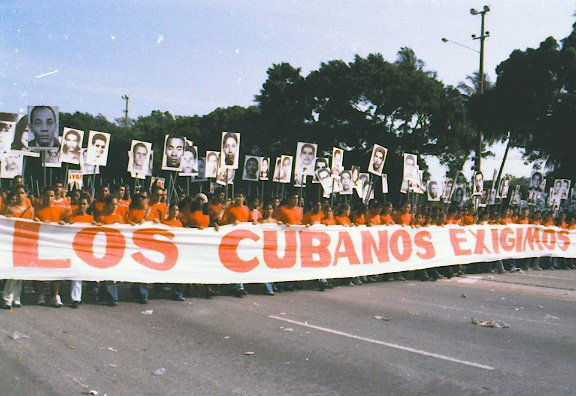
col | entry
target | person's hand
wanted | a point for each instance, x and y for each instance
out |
(236, 222)
(279, 223)
(37, 219)
(142, 221)
(255, 222)
(62, 222)
(132, 223)
(8, 215)
(216, 227)
(156, 221)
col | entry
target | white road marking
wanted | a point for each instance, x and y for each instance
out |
(384, 343)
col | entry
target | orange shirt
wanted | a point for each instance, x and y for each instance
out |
(467, 220)
(506, 220)
(525, 220)
(359, 219)
(198, 219)
(98, 208)
(26, 213)
(386, 219)
(136, 215)
(236, 213)
(50, 213)
(535, 222)
(111, 219)
(404, 218)
(343, 220)
(173, 223)
(549, 223)
(215, 208)
(289, 215)
(329, 221)
(311, 218)
(81, 219)
(372, 219)
(122, 210)
(161, 209)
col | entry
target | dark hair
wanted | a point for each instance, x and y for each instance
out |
(139, 144)
(35, 108)
(99, 136)
(72, 132)
(228, 135)
(380, 150)
(307, 145)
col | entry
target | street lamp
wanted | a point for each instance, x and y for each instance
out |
(482, 37)
(445, 40)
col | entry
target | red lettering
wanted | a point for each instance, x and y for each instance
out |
(403, 237)
(25, 248)
(309, 249)
(480, 247)
(532, 238)
(519, 233)
(507, 243)
(456, 239)
(549, 239)
(228, 251)
(422, 239)
(114, 246)
(563, 237)
(495, 239)
(271, 257)
(345, 241)
(144, 239)
(369, 245)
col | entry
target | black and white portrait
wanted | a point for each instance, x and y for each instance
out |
(324, 177)
(98, 145)
(318, 164)
(212, 158)
(173, 152)
(11, 165)
(200, 177)
(71, 146)
(377, 160)
(362, 185)
(433, 191)
(536, 182)
(229, 150)
(285, 169)
(478, 183)
(265, 168)
(304, 162)
(346, 185)
(503, 187)
(7, 131)
(225, 174)
(44, 127)
(384, 183)
(277, 165)
(337, 160)
(447, 190)
(410, 168)
(189, 160)
(139, 159)
(251, 168)
(85, 167)
(52, 158)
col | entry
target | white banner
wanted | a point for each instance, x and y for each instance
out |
(246, 253)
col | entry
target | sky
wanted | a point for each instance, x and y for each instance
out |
(190, 57)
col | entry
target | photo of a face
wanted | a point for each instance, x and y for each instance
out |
(377, 160)
(304, 161)
(264, 168)
(139, 158)
(565, 189)
(337, 158)
(189, 160)
(384, 183)
(98, 144)
(433, 191)
(325, 179)
(447, 190)
(277, 163)
(318, 164)
(516, 197)
(44, 127)
(478, 184)
(251, 168)
(230, 149)
(410, 168)
(285, 168)
(71, 146)
(503, 188)
(212, 163)
(362, 185)
(52, 158)
(85, 167)
(536, 182)
(173, 152)
(200, 177)
(225, 174)
(346, 185)
(458, 195)
(7, 129)
(11, 165)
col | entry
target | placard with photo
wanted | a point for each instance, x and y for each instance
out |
(173, 152)
(230, 149)
(7, 131)
(410, 168)
(12, 165)
(189, 160)
(433, 191)
(337, 160)
(212, 159)
(276, 177)
(384, 183)
(251, 168)
(139, 158)
(200, 177)
(377, 159)
(304, 162)
(98, 145)
(536, 179)
(43, 124)
(52, 158)
(71, 146)
(318, 164)
(478, 183)
(324, 177)
(346, 185)
(285, 168)
(265, 168)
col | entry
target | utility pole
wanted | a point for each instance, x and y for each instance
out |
(482, 37)
(126, 99)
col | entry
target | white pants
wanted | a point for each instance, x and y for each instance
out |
(12, 291)
(76, 291)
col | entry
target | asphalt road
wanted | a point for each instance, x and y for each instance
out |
(381, 338)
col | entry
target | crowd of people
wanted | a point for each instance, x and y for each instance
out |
(118, 205)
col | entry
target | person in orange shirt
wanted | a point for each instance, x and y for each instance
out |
(46, 212)
(372, 216)
(109, 214)
(121, 193)
(468, 217)
(255, 210)
(61, 201)
(157, 202)
(359, 215)
(216, 205)
(80, 214)
(172, 219)
(290, 213)
(343, 217)
(404, 217)
(329, 219)
(267, 212)
(237, 212)
(386, 217)
(315, 215)
(523, 217)
(15, 207)
(98, 203)
(200, 215)
(140, 211)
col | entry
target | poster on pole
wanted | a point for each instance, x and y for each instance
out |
(98, 145)
(71, 146)
(189, 159)
(251, 168)
(43, 123)
(229, 149)
(173, 152)
(139, 158)
(377, 159)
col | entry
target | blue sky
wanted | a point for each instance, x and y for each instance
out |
(189, 57)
